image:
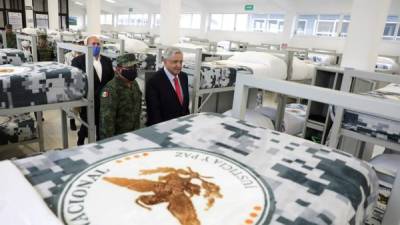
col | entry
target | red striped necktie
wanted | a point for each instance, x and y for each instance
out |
(178, 90)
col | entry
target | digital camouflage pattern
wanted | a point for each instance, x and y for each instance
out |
(17, 128)
(311, 184)
(12, 56)
(120, 107)
(375, 126)
(41, 83)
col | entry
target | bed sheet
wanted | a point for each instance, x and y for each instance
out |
(40, 83)
(17, 128)
(306, 183)
(375, 126)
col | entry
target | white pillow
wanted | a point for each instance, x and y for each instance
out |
(387, 64)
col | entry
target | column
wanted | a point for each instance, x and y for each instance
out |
(93, 8)
(368, 18)
(170, 12)
(54, 19)
(288, 27)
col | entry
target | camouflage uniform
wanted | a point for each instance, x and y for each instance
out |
(11, 39)
(120, 103)
(45, 52)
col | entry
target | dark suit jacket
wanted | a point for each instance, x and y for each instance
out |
(107, 75)
(162, 103)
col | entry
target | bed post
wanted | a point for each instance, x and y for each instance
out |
(196, 81)
(90, 95)
(4, 37)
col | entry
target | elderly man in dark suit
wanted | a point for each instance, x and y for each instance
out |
(103, 73)
(167, 91)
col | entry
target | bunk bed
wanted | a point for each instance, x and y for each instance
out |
(326, 186)
(45, 86)
(33, 41)
(367, 127)
(385, 211)
(3, 39)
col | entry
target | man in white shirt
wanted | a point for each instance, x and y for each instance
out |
(103, 73)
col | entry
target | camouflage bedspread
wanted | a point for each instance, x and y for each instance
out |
(307, 183)
(40, 83)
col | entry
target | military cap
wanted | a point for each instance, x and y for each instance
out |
(126, 60)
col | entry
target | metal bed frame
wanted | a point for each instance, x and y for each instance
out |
(64, 106)
(382, 107)
(209, 45)
(337, 131)
(4, 38)
(33, 40)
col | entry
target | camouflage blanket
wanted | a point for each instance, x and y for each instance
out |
(40, 83)
(374, 126)
(216, 75)
(12, 56)
(17, 128)
(300, 182)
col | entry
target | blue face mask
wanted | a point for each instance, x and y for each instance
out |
(96, 51)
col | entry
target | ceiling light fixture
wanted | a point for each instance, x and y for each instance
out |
(110, 1)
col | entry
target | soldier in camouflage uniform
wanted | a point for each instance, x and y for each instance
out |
(120, 100)
(45, 52)
(11, 37)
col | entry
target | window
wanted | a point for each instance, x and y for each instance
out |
(306, 24)
(327, 24)
(345, 26)
(137, 20)
(321, 25)
(42, 20)
(155, 20)
(248, 22)
(222, 22)
(391, 28)
(275, 23)
(123, 19)
(190, 21)
(242, 22)
(106, 19)
(63, 14)
(40, 12)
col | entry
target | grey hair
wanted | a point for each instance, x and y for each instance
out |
(171, 51)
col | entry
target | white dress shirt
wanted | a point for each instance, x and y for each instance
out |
(97, 67)
(171, 79)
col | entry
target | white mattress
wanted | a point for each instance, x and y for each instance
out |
(271, 69)
(302, 70)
